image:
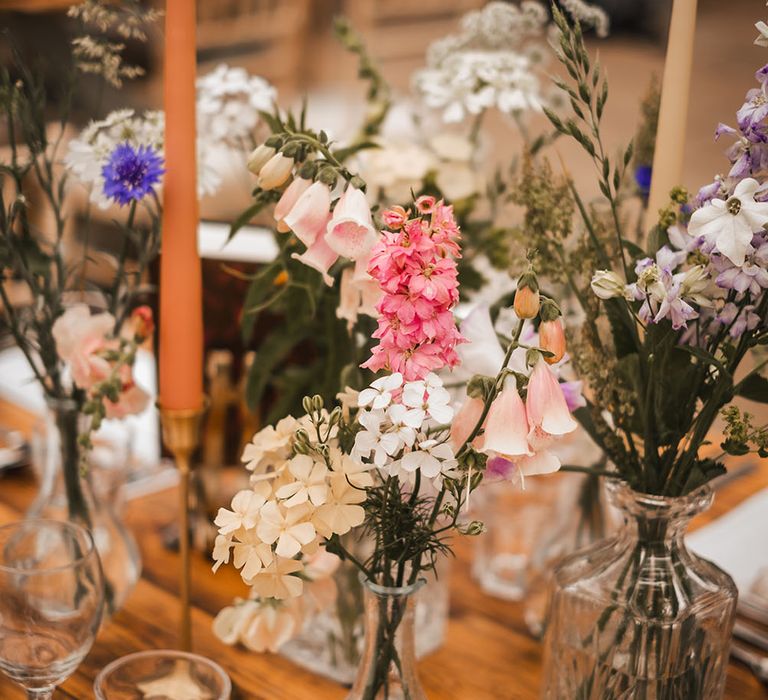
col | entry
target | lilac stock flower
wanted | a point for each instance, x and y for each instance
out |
(738, 319)
(573, 397)
(131, 173)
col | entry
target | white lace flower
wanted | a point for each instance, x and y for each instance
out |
(288, 527)
(245, 512)
(379, 393)
(279, 579)
(309, 484)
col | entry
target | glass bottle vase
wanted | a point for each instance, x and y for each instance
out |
(639, 615)
(66, 492)
(387, 669)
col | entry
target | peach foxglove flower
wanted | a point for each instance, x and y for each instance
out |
(350, 231)
(545, 403)
(728, 225)
(309, 484)
(319, 257)
(527, 302)
(250, 554)
(506, 429)
(552, 339)
(288, 200)
(379, 393)
(279, 580)
(286, 526)
(465, 421)
(308, 218)
(275, 172)
(245, 512)
(341, 512)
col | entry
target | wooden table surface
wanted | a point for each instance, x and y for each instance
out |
(487, 654)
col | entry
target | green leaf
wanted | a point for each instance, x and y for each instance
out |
(262, 285)
(753, 387)
(261, 200)
(634, 250)
(621, 327)
(273, 121)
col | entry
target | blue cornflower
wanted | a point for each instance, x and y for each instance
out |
(643, 179)
(131, 173)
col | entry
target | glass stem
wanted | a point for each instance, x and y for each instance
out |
(40, 693)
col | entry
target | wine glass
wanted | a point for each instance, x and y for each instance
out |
(51, 601)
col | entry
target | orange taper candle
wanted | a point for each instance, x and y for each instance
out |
(181, 312)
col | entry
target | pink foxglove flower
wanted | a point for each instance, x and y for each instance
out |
(350, 231)
(320, 257)
(288, 200)
(309, 216)
(506, 430)
(545, 404)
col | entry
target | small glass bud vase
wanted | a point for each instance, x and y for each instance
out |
(387, 669)
(639, 615)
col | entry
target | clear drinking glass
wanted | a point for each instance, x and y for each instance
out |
(51, 602)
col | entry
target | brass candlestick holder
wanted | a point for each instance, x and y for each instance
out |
(181, 435)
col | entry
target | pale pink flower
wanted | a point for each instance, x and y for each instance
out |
(288, 200)
(506, 430)
(350, 231)
(465, 421)
(79, 338)
(132, 400)
(320, 257)
(395, 217)
(272, 626)
(425, 204)
(546, 406)
(308, 218)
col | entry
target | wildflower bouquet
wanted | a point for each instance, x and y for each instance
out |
(684, 310)
(392, 460)
(669, 322)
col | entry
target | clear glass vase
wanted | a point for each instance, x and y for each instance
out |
(639, 615)
(330, 642)
(67, 493)
(387, 669)
(581, 518)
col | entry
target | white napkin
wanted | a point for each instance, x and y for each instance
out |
(736, 541)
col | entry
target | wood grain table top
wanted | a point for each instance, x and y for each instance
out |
(487, 654)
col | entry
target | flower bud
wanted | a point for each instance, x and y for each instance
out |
(607, 284)
(527, 299)
(142, 322)
(259, 157)
(552, 339)
(276, 172)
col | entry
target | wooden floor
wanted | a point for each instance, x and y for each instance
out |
(487, 654)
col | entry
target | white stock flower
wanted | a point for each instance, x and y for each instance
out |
(270, 445)
(405, 423)
(309, 482)
(425, 400)
(379, 393)
(288, 527)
